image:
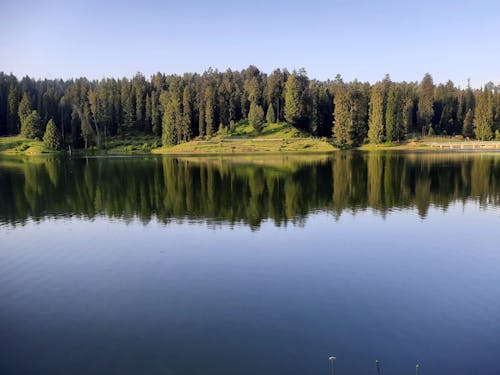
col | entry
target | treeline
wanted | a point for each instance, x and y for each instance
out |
(215, 191)
(179, 108)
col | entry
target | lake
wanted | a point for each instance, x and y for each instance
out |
(250, 265)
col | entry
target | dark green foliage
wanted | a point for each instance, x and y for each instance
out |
(210, 120)
(13, 124)
(298, 100)
(32, 126)
(292, 100)
(88, 133)
(52, 138)
(394, 115)
(256, 117)
(88, 112)
(172, 116)
(155, 114)
(376, 126)
(341, 116)
(426, 101)
(483, 115)
(24, 109)
(358, 98)
(468, 128)
(186, 115)
(270, 117)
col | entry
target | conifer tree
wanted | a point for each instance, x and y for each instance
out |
(426, 101)
(483, 115)
(88, 133)
(256, 117)
(341, 116)
(408, 111)
(393, 115)
(13, 125)
(24, 108)
(468, 128)
(172, 116)
(376, 115)
(52, 138)
(155, 115)
(147, 115)
(209, 111)
(32, 126)
(270, 117)
(358, 105)
(186, 115)
(292, 100)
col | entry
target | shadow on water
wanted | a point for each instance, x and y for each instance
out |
(249, 190)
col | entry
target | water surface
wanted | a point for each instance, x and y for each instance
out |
(261, 265)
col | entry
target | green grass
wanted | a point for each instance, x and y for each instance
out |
(17, 145)
(127, 143)
(278, 130)
(274, 138)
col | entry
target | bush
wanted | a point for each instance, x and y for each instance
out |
(497, 135)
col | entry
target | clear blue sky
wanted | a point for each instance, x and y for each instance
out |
(358, 39)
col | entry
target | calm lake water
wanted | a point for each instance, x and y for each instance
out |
(265, 265)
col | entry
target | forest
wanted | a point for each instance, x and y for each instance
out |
(84, 113)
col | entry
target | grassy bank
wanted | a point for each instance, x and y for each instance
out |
(244, 139)
(17, 145)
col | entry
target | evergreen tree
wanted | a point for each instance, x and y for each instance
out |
(186, 115)
(13, 124)
(408, 111)
(155, 115)
(52, 138)
(147, 115)
(274, 91)
(256, 117)
(376, 115)
(425, 110)
(483, 115)
(209, 111)
(393, 115)
(270, 117)
(76, 129)
(32, 126)
(468, 128)
(24, 108)
(358, 104)
(201, 118)
(128, 105)
(292, 100)
(88, 133)
(341, 116)
(172, 116)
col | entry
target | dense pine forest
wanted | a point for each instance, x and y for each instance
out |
(83, 113)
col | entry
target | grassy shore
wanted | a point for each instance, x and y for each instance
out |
(242, 140)
(17, 145)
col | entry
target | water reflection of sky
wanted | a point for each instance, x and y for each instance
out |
(125, 296)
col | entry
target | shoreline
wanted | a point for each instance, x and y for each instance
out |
(17, 146)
